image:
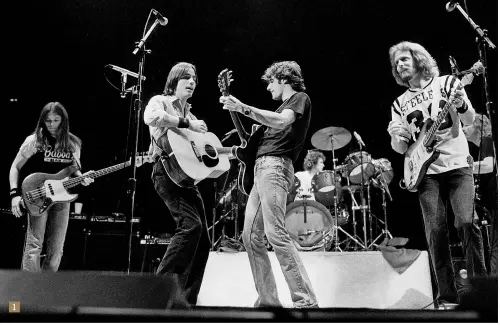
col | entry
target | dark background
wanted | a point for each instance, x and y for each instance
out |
(57, 51)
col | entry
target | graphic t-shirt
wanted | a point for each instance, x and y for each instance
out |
(415, 106)
(46, 159)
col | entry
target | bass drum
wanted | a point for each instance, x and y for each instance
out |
(308, 223)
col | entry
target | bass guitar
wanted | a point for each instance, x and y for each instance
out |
(40, 190)
(246, 153)
(189, 157)
(421, 154)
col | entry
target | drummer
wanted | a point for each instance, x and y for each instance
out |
(314, 162)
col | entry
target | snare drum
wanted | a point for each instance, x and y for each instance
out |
(353, 161)
(307, 222)
(326, 185)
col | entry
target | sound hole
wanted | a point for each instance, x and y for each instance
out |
(210, 159)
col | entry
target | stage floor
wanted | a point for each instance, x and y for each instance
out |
(340, 280)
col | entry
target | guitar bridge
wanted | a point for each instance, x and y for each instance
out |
(195, 150)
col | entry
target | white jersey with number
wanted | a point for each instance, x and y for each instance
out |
(415, 106)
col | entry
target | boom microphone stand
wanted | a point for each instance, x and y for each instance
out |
(482, 41)
(139, 48)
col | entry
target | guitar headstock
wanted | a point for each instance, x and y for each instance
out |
(224, 80)
(477, 69)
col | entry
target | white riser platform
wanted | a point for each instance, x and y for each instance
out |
(340, 280)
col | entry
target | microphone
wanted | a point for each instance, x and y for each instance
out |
(162, 20)
(125, 71)
(450, 6)
(359, 139)
(124, 82)
(454, 66)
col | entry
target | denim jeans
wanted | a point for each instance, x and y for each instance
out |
(53, 223)
(187, 254)
(265, 215)
(457, 186)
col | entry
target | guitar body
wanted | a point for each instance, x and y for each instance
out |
(418, 158)
(50, 189)
(190, 157)
(247, 156)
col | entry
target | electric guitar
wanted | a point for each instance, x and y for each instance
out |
(190, 157)
(40, 190)
(421, 154)
(246, 153)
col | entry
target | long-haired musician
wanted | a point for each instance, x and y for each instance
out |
(49, 149)
(449, 177)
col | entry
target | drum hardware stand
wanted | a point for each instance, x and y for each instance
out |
(363, 200)
(355, 206)
(385, 232)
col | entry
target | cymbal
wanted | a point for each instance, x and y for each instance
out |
(322, 139)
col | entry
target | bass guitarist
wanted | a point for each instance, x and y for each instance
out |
(449, 177)
(48, 150)
(283, 138)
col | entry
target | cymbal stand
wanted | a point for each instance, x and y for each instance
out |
(335, 202)
(385, 232)
(363, 201)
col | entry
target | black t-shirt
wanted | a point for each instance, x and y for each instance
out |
(289, 141)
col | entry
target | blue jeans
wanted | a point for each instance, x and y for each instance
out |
(265, 215)
(53, 223)
(457, 186)
(187, 254)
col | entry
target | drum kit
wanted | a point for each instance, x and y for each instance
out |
(314, 223)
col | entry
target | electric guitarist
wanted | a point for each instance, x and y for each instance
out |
(448, 176)
(283, 138)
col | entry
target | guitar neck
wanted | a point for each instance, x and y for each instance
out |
(225, 150)
(77, 180)
(244, 135)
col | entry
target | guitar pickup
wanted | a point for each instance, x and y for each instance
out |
(195, 150)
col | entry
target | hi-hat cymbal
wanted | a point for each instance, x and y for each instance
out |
(322, 139)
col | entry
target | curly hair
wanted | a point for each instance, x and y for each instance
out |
(422, 60)
(177, 72)
(312, 158)
(479, 119)
(65, 140)
(289, 71)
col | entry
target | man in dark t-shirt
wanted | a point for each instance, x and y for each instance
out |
(279, 147)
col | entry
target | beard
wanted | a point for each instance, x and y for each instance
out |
(407, 75)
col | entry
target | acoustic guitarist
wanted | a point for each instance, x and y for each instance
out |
(449, 177)
(49, 149)
(283, 138)
(187, 254)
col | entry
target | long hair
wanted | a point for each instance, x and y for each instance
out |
(175, 74)
(312, 158)
(65, 140)
(422, 60)
(288, 71)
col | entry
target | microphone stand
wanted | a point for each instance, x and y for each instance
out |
(482, 40)
(140, 48)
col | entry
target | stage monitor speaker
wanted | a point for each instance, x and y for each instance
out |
(90, 289)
